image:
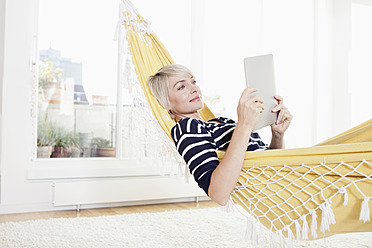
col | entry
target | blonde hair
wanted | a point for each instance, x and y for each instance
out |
(159, 83)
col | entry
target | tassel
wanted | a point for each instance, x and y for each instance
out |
(290, 237)
(249, 229)
(179, 172)
(305, 228)
(272, 243)
(282, 241)
(328, 217)
(364, 212)
(229, 206)
(324, 225)
(260, 235)
(117, 29)
(314, 224)
(343, 191)
(254, 234)
(187, 175)
(298, 230)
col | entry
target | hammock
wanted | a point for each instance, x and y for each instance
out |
(296, 194)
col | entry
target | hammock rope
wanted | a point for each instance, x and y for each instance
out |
(271, 197)
(291, 194)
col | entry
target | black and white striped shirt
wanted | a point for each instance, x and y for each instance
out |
(197, 142)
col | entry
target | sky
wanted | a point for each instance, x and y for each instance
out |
(83, 31)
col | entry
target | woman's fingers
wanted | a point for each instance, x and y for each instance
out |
(247, 92)
(279, 99)
(277, 108)
(280, 105)
(279, 120)
(255, 99)
(284, 115)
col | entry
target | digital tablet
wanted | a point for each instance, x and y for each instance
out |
(259, 73)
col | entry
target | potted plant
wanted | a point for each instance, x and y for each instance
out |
(66, 142)
(104, 147)
(50, 86)
(72, 144)
(46, 138)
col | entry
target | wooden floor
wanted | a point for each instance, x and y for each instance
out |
(106, 211)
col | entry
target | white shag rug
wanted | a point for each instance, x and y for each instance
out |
(209, 227)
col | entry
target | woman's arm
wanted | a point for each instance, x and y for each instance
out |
(226, 175)
(277, 141)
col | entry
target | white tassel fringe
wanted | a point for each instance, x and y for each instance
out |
(290, 237)
(305, 228)
(314, 224)
(343, 191)
(364, 212)
(328, 217)
(298, 230)
(229, 206)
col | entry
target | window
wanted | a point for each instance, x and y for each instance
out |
(88, 103)
(250, 28)
(360, 75)
(77, 90)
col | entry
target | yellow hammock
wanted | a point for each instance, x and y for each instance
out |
(295, 193)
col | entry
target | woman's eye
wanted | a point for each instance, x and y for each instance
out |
(181, 88)
(194, 82)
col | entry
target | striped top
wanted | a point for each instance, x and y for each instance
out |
(197, 142)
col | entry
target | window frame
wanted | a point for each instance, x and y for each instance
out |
(92, 167)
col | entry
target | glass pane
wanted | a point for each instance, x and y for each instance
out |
(360, 81)
(77, 78)
(260, 27)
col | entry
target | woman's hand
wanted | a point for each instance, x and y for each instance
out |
(284, 118)
(249, 108)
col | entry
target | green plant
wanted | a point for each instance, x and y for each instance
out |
(48, 72)
(99, 142)
(46, 135)
(66, 138)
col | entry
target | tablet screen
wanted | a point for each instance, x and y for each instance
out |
(259, 73)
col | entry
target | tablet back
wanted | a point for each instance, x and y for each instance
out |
(259, 73)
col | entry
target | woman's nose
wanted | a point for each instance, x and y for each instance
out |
(193, 88)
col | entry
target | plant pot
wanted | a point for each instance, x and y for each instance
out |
(53, 92)
(85, 139)
(75, 153)
(44, 151)
(60, 152)
(106, 152)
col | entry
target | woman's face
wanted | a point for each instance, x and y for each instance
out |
(184, 95)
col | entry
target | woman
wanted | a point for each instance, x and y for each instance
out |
(197, 141)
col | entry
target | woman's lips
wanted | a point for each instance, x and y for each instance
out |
(195, 99)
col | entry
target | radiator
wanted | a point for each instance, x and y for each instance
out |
(122, 190)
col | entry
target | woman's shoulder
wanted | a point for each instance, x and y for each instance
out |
(189, 121)
(188, 125)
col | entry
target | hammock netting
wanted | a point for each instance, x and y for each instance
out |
(291, 194)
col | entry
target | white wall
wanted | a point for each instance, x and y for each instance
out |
(2, 27)
(16, 121)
